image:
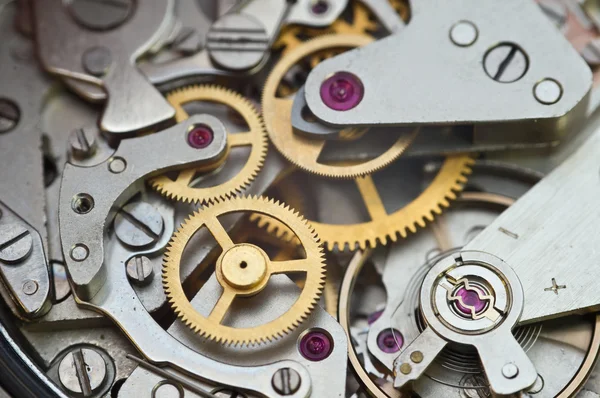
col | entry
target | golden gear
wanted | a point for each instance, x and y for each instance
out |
(303, 151)
(449, 180)
(243, 270)
(255, 137)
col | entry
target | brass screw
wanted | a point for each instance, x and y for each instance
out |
(416, 356)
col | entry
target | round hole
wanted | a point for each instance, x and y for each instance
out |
(319, 7)
(342, 91)
(307, 115)
(82, 203)
(200, 136)
(243, 264)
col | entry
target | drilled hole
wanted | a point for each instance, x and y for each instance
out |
(82, 203)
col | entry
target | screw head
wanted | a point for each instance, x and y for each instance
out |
(510, 370)
(82, 371)
(82, 143)
(342, 91)
(101, 15)
(16, 243)
(139, 270)
(405, 368)
(138, 224)
(506, 62)
(97, 60)
(548, 91)
(9, 115)
(463, 33)
(286, 381)
(237, 42)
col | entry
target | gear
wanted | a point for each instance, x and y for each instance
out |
(255, 138)
(449, 180)
(303, 151)
(243, 270)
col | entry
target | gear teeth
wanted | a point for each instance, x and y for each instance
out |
(450, 180)
(179, 190)
(307, 301)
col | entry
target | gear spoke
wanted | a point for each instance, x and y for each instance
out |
(241, 139)
(219, 233)
(371, 197)
(284, 267)
(222, 306)
(185, 176)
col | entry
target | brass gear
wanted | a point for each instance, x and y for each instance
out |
(382, 227)
(243, 270)
(255, 137)
(302, 151)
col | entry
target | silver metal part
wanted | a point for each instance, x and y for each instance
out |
(558, 213)
(138, 224)
(139, 270)
(385, 14)
(86, 58)
(101, 15)
(286, 381)
(83, 143)
(237, 42)
(82, 371)
(316, 13)
(489, 329)
(147, 156)
(23, 264)
(326, 377)
(476, 98)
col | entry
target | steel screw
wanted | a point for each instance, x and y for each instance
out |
(82, 371)
(30, 287)
(97, 60)
(138, 224)
(506, 63)
(286, 381)
(510, 370)
(83, 143)
(16, 243)
(464, 33)
(139, 270)
(237, 42)
(101, 14)
(9, 115)
(547, 91)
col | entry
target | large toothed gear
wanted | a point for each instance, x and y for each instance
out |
(384, 227)
(244, 270)
(303, 151)
(180, 188)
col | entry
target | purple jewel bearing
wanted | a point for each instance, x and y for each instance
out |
(390, 340)
(200, 136)
(316, 345)
(342, 91)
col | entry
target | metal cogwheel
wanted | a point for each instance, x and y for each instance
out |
(302, 151)
(255, 138)
(382, 227)
(244, 270)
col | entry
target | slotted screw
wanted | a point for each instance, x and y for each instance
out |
(9, 115)
(16, 243)
(82, 371)
(139, 270)
(83, 142)
(286, 381)
(506, 63)
(138, 224)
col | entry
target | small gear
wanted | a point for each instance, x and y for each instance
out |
(382, 227)
(243, 270)
(255, 138)
(302, 151)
